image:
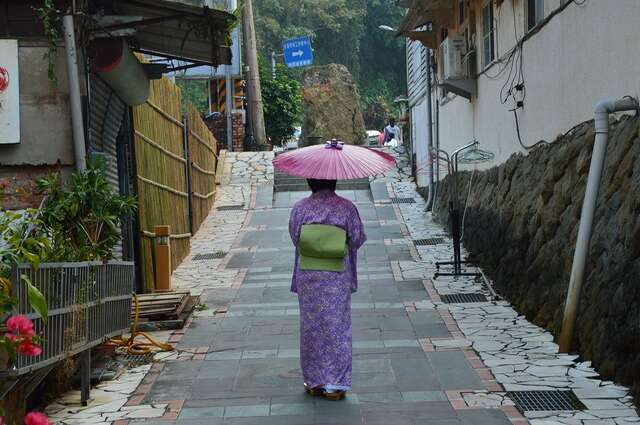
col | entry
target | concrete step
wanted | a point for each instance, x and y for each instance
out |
(286, 183)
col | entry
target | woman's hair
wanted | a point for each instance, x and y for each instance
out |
(317, 185)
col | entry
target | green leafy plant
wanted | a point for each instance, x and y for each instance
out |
(21, 241)
(50, 18)
(282, 97)
(84, 219)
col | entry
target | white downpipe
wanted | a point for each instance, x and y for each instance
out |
(77, 125)
(602, 111)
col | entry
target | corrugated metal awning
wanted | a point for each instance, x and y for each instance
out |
(171, 29)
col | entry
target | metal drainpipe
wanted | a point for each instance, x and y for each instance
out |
(602, 111)
(79, 147)
(430, 133)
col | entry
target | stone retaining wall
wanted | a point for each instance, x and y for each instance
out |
(521, 223)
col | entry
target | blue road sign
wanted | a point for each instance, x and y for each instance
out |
(297, 52)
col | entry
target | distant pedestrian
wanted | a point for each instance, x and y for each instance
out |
(327, 232)
(391, 132)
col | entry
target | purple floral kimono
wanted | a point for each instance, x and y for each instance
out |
(325, 296)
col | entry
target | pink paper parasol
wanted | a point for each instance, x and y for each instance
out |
(334, 161)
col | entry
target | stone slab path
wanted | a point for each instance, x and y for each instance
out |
(417, 359)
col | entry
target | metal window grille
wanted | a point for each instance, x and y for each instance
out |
(89, 302)
(548, 401)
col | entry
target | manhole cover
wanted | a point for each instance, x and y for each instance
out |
(464, 298)
(527, 401)
(230, 208)
(209, 256)
(403, 201)
(432, 241)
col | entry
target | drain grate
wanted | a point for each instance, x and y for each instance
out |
(528, 401)
(403, 201)
(135, 360)
(209, 256)
(464, 298)
(230, 208)
(431, 241)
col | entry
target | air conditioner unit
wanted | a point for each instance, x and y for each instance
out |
(452, 53)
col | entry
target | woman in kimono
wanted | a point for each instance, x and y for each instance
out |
(324, 289)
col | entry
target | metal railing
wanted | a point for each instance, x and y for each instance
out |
(89, 302)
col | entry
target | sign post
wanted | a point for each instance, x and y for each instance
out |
(298, 52)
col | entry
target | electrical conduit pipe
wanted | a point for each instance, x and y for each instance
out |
(77, 125)
(602, 111)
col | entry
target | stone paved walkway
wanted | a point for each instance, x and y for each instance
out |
(417, 360)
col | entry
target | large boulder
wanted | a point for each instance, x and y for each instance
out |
(331, 109)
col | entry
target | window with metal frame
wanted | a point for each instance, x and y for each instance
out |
(488, 35)
(535, 13)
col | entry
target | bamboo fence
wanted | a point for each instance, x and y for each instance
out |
(161, 168)
(203, 159)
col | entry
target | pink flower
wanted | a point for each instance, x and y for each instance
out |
(4, 184)
(29, 349)
(36, 418)
(21, 325)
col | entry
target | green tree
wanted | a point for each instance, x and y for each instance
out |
(344, 32)
(335, 27)
(282, 98)
(196, 92)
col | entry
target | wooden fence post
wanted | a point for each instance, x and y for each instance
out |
(187, 170)
(162, 249)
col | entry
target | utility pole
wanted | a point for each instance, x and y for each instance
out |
(254, 95)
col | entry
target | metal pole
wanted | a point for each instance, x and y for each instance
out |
(602, 111)
(273, 65)
(79, 147)
(209, 94)
(229, 106)
(231, 7)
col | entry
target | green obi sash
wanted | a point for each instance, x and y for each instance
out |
(322, 247)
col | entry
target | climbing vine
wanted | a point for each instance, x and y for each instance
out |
(50, 17)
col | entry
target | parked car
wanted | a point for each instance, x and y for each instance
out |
(373, 138)
(294, 139)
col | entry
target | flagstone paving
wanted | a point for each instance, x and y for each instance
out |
(417, 360)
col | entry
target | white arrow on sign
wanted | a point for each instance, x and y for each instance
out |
(297, 53)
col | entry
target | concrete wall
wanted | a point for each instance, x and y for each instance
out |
(45, 121)
(585, 53)
(45, 128)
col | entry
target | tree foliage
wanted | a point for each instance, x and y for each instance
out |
(196, 92)
(344, 32)
(282, 97)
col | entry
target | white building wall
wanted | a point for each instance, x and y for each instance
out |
(417, 74)
(585, 53)
(421, 135)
